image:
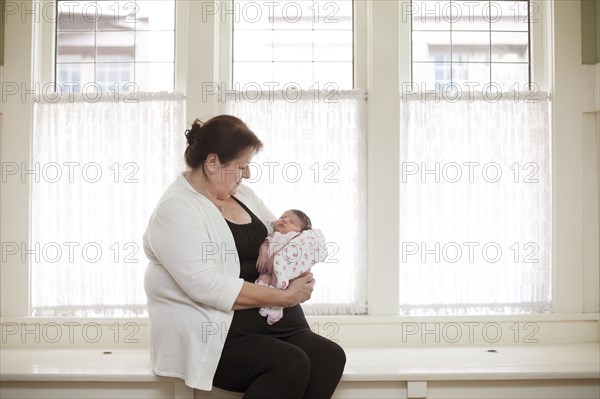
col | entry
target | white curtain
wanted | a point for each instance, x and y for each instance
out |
(314, 159)
(476, 205)
(100, 168)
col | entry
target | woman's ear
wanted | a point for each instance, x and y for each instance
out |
(212, 164)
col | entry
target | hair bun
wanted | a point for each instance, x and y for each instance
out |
(191, 134)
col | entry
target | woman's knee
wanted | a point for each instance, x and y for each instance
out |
(336, 356)
(292, 372)
(286, 374)
(295, 363)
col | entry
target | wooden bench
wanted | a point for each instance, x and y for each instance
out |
(520, 371)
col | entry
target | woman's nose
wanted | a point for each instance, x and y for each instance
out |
(246, 173)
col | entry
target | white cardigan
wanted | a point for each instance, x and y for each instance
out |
(192, 281)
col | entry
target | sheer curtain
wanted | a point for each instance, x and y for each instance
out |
(100, 168)
(476, 206)
(314, 159)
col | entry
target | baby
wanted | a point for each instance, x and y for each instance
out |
(289, 226)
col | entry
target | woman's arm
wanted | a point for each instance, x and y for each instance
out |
(178, 239)
(255, 295)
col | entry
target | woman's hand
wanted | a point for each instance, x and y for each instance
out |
(258, 296)
(300, 289)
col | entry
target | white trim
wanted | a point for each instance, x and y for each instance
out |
(567, 158)
(360, 44)
(226, 45)
(541, 45)
(181, 44)
(348, 331)
(15, 151)
(44, 44)
(202, 60)
(383, 156)
(405, 43)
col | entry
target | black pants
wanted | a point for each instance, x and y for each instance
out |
(304, 365)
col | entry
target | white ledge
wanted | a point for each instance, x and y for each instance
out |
(518, 362)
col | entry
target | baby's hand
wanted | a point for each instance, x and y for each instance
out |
(263, 257)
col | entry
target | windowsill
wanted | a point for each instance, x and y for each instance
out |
(572, 361)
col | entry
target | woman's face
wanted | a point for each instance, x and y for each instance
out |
(226, 178)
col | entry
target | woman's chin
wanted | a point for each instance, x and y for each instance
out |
(234, 189)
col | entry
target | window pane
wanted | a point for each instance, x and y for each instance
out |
(330, 15)
(510, 46)
(510, 16)
(117, 15)
(74, 18)
(112, 75)
(114, 46)
(471, 72)
(300, 73)
(155, 15)
(252, 15)
(470, 15)
(470, 47)
(252, 72)
(431, 46)
(293, 46)
(428, 73)
(333, 46)
(468, 32)
(292, 36)
(292, 15)
(252, 45)
(431, 15)
(511, 77)
(154, 76)
(72, 78)
(155, 46)
(117, 34)
(330, 75)
(75, 47)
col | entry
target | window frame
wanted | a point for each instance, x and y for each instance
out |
(540, 49)
(555, 74)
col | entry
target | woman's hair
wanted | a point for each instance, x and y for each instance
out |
(304, 219)
(224, 135)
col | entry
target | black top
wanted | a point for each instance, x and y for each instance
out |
(248, 239)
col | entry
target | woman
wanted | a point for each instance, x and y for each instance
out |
(203, 241)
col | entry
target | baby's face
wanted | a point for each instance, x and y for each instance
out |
(289, 221)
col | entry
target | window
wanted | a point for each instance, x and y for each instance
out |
(126, 45)
(103, 161)
(558, 18)
(476, 181)
(315, 151)
(306, 44)
(476, 43)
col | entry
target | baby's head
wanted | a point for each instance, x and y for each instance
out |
(292, 220)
